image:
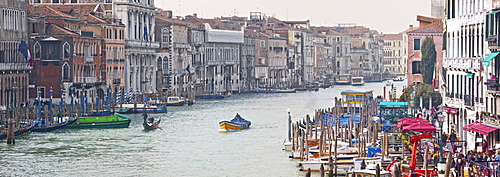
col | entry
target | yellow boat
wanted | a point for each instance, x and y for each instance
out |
(237, 123)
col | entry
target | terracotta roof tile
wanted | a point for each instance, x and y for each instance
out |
(53, 29)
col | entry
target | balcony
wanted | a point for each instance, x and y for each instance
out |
(468, 100)
(117, 81)
(140, 44)
(493, 41)
(89, 80)
(51, 57)
(492, 85)
(88, 59)
(13, 66)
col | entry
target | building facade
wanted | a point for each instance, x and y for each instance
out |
(14, 67)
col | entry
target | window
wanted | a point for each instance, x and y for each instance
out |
(37, 50)
(415, 67)
(66, 51)
(74, 1)
(55, 1)
(416, 44)
(51, 50)
(165, 36)
(65, 72)
(36, 1)
(262, 43)
(338, 39)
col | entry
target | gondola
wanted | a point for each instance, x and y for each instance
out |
(47, 127)
(149, 123)
(18, 132)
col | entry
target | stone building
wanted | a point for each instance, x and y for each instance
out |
(14, 66)
(140, 45)
(395, 55)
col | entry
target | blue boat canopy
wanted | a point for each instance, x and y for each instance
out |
(487, 60)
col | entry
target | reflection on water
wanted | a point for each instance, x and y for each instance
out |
(190, 143)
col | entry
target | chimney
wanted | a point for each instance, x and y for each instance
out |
(195, 15)
(411, 28)
(169, 14)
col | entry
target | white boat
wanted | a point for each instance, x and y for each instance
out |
(344, 162)
(399, 78)
(174, 101)
(355, 173)
(358, 81)
(288, 146)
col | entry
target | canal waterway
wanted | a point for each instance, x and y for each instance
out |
(190, 144)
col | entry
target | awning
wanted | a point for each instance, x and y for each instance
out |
(479, 127)
(487, 60)
(494, 12)
(420, 127)
(448, 109)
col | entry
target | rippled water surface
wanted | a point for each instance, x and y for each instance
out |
(190, 143)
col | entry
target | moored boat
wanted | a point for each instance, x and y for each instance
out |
(357, 81)
(237, 123)
(143, 108)
(116, 120)
(149, 123)
(19, 131)
(174, 101)
(216, 96)
(47, 126)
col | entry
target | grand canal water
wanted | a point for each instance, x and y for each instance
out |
(190, 143)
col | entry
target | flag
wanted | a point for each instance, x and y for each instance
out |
(187, 69)
(24, 50)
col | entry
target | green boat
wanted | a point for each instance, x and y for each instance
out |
(110, 121)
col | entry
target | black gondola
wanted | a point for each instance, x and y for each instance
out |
(47, 127)
(149, 123)
(18, 132)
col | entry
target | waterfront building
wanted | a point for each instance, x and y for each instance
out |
(247, 64)
(395, 55)
(322, 57)
(14, 66)
(222, 54)
(65, 55)
(465, 50)
(173, 57)
(490, 64)
(112, 32)
(428, 28)
(341, 44)
(140, 46)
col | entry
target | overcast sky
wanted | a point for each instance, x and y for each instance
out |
(387, 16)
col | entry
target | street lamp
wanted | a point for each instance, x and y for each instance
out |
(289, 124)
(442, 139)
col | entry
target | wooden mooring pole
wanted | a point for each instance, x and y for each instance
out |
(10, 132)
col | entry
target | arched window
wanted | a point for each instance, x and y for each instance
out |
(165, 35)
(37, 50)
(65, 72)
(66, 51)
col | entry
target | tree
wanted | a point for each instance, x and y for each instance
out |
(428, 60)
(426, 91)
